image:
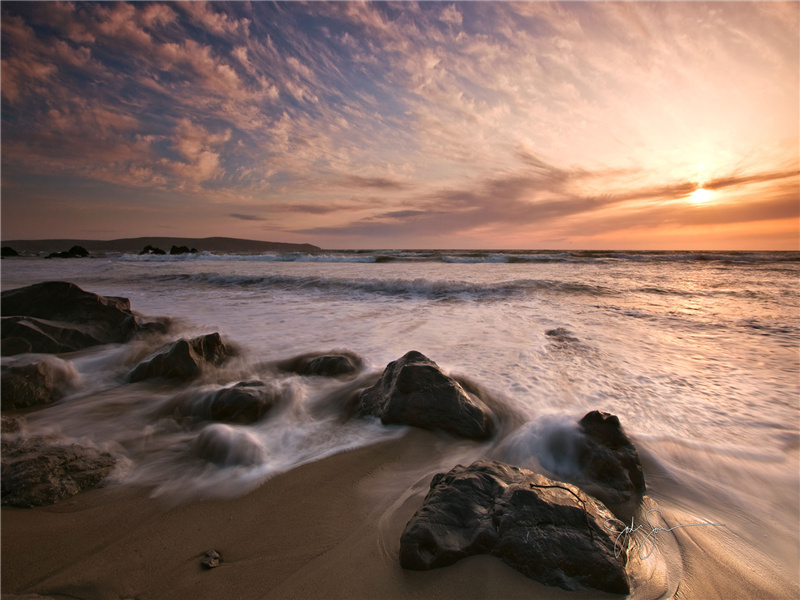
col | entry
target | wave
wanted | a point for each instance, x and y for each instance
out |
(420, 288)
(269, 257)
(478, 256)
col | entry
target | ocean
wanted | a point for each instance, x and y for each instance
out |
(696, 353)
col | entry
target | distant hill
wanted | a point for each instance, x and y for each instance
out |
(135, 245)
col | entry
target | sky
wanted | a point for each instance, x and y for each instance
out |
(591, 125)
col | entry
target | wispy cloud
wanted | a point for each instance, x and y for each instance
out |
(408, 120)
(242, 217)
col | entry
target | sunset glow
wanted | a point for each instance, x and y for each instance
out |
(701, 195)
(352, 125)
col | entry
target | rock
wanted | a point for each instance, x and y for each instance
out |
(7, 251)
(183, 359)
(413, 390)
(74, 252)
(11, 428)
(40, 382)
(211, 560)
(609, 460)
(244, 403)
(549, 531)
(182, 250)
(57, 316)
(228, 446)
(39, 472)
(151, 250)
(11, 424)
(602, 461)
(324, 365)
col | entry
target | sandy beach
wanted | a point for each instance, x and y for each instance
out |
(329, 529)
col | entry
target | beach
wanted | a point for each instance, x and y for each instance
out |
(324, 530)
(321, 511)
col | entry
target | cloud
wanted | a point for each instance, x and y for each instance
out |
(451, 15)
(454, 118)
(737, 180)
(242, 217)
(372, 182)
(544, 198)
(402, 214)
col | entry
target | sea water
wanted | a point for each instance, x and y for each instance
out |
(696, 353)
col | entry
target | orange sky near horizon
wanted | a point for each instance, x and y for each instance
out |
(592, 125)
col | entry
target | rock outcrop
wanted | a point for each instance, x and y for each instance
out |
(182, 250)
(413, 390)
(38, 471)
(8, 251)
(324, 365)
(57, 316)
(40, 382)
(549, 531)
(183, 359)
(151, 250)
(74, 252)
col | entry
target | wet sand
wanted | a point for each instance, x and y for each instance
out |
(329, 529)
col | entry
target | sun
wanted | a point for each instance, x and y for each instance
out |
(701, 195)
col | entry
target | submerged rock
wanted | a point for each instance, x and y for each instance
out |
(244, 403)
(228, 446)
(549, 531)
(38, 471)
(32, 384)
(57, 316)
(183, 359)
(324, 365)
(413, 390)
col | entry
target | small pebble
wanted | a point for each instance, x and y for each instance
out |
(212, 559)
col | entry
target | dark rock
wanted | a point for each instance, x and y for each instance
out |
(57, 316)
(40, 382)
(39, 472)
(211, 560)
(151, 250)
(324, 365)
(609, 460)
(182, 250)
(549, 531)
(183, 359)
(62, 301)
(74, 252)
(244, 403)
(413, 390)
(7, 251)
